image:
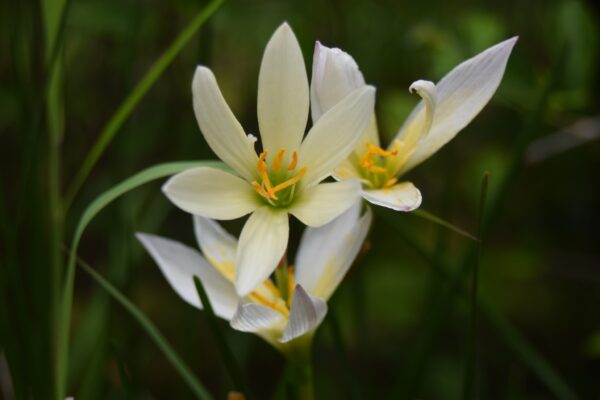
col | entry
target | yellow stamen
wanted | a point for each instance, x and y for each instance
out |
(390, 182)
(291, 285)
(262, 170)
(291, 181)
(269, 304)
(260, 190)
(278, 157)
(366, 160)
(294, 161)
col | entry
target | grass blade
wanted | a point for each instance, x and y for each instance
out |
(234, 370)
(437, 220)
(162, 343)
(136, 95)
(469, 382)
(145, 176)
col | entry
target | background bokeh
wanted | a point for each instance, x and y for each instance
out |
(404, 325)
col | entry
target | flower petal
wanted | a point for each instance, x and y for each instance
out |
(306, 314)
(403, 196)
(335, 75)
(256, 318)
(461, 95)
(262, 243)
(282, 93)
(217, 245)
(326, 253)
(180, 263)
(335, 134)
(220, 128)
(320, 204)
(211, 193)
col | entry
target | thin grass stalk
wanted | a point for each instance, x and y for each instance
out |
(193, 383)
(469, 380)
(132, 100)
(233, 369)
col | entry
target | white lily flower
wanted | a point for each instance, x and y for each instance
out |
(445, 109)
(324, 256)
(285, 177)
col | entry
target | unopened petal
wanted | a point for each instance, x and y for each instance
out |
(179, 264)
(220, 128)
(306, 314)
(460, 96)
(320, 204)
(262, 244)
(282, 93)
(326, 253)
(258, 319)
(335, 135)
(402, 196)
(211, 193)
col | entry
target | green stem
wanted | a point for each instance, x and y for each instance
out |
(299, 374)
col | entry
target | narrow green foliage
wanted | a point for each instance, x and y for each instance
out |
(194, 384)
(143, 177)
(437, 220)
(126, 108)
(231, 364)
(469, 385)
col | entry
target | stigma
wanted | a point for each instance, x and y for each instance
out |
(368, 161)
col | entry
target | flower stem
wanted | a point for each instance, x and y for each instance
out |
(299, 374)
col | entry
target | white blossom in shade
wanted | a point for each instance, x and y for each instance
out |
(445, 109)
(324, 256)
(286, 177)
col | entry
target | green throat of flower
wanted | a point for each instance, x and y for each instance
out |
(278, 183)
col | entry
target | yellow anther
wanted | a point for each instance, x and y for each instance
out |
(254, 295)
(291, 181)
(377, 169)
(291, 285)
(381, 152)
(261, 190)
(390, 182)
(294, 161)
(278, 157)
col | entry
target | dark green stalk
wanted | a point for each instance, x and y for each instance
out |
(231, 364)
(469, 379)
(299, 373)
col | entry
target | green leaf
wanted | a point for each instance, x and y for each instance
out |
(233, 368)
(126, 108)
(195, 385)
(437, 220)
(145, 176)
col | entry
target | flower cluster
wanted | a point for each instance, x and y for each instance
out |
(288, 176)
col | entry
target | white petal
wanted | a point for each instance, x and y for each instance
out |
(220, 128)
(306, 314)
(326, 253)
(250, 317)
(217, 245)
(334, 76)
(282, 93)
(320, 204)
(211, 193)
(403, 196)
(335, 134)
(461, 95)
(262, 243)
(180, 263)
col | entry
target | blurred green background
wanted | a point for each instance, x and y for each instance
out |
(404, 325)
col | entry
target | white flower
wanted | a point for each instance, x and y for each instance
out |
(285, 177)
(446, 108)
(324, 256)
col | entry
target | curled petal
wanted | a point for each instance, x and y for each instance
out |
(460, 96)
(306, 314)
(402, 196)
